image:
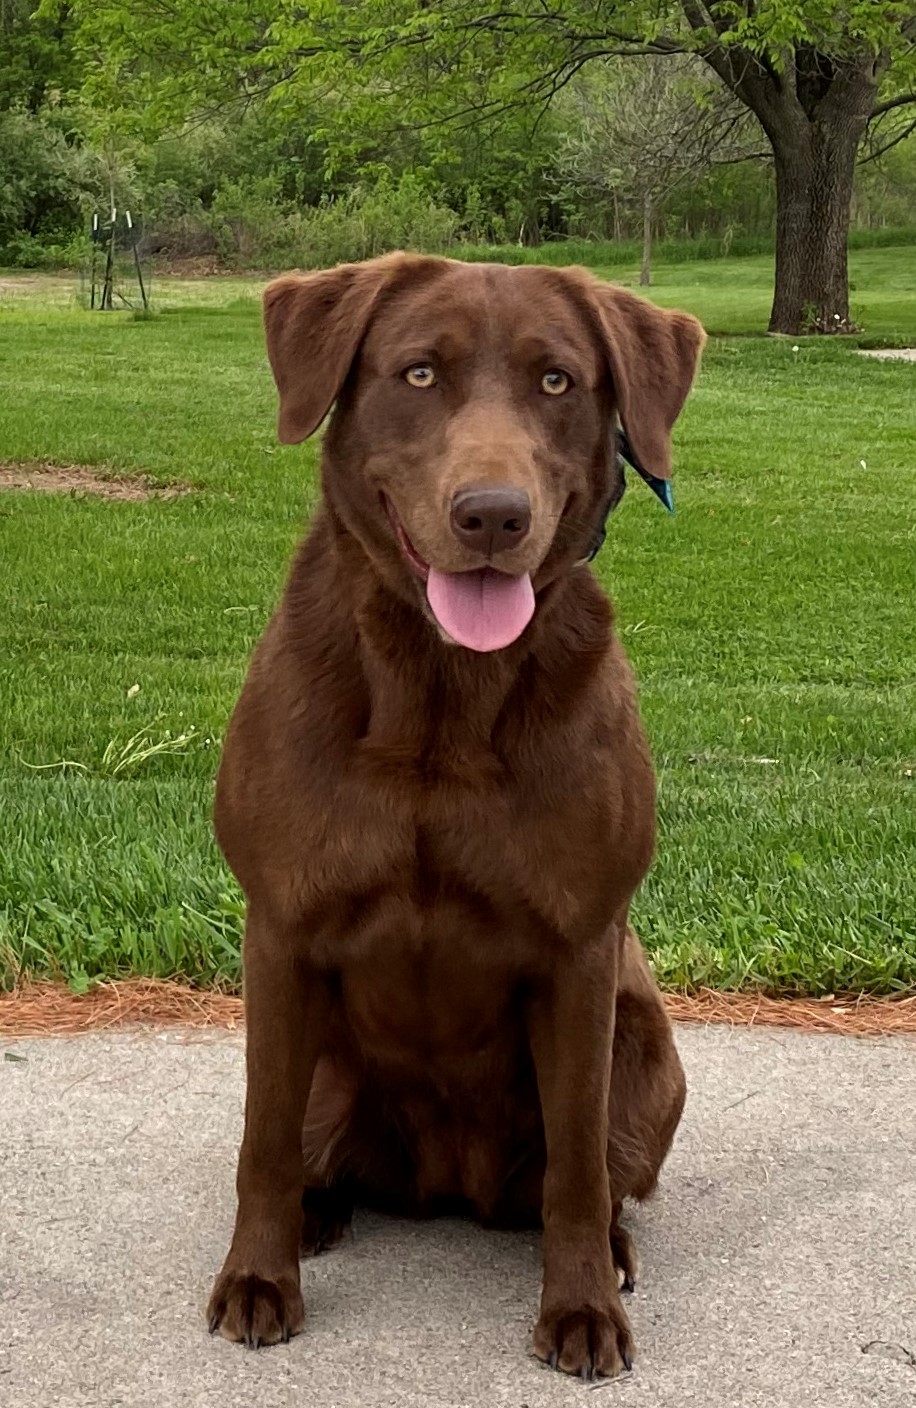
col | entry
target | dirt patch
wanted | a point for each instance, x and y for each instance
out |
(51, 1009)
(194, 266)
(891, 354)
(79, 480)
(17, 282)
(54, 290)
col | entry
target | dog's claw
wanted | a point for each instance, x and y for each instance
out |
(627, 1360)
(552, 1359)
(213, 1326)
(629, 1285)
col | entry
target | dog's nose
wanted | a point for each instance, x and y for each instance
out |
(491, 517)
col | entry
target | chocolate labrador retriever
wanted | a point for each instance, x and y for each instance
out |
(437, 796)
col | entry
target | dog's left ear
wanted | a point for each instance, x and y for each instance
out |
(653, 355)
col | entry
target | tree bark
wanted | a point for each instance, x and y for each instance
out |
(645, 273)
(814, 107)
(815, 168)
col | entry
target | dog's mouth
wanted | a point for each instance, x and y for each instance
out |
(481, 609)
(411, 556)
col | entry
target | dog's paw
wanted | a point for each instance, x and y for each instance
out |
(255, 1311)
(591, 1343)
(626, 1260)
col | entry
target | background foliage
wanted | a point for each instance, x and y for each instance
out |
(310, 173)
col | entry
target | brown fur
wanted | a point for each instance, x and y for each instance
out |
(439, 847)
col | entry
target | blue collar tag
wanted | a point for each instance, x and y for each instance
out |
(660, 487)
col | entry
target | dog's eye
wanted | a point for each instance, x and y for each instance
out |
(555, 382)
(421, 375)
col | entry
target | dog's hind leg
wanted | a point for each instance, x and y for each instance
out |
(326, 1217)
(648, 1090)
(354, 1155)
(327, 1199)
(623, 1250)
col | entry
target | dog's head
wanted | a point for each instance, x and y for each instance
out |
(472, 450)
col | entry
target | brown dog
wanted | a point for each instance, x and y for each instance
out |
(436, 792)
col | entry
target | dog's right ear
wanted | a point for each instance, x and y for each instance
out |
(314, 325)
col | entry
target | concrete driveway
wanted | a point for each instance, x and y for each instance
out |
(778, 1261)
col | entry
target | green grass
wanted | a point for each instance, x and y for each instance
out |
(731, 296)
(614, 253)
(770, 623)
(734, 296)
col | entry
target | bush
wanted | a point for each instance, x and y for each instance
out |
(370, 222)
(26, 251)
(39, 188)
(247, 221)
(50, 182)
(256, 195)
(252, 225)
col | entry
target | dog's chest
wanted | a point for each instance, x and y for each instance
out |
(416, 867)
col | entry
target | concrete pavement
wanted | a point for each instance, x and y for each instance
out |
(782, 1243)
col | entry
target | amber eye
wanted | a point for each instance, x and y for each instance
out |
(555, 382)
(421, 376)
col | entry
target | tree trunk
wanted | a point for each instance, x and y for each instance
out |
(815, 167)
(645, 273)
(814, 108)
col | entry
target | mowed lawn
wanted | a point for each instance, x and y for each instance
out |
(770, 623)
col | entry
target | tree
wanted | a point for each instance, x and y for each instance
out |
(36, 55)
(815, 74)
(639, 129)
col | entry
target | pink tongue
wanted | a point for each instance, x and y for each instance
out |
(483, 610)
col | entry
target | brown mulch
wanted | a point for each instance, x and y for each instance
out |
(853, 1015)
(50, 1009)
(79, 479)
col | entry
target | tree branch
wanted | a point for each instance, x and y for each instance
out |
(752, 78)
(902, 100)
(900, 137)
(745, 156)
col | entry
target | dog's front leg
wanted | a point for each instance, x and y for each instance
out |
(256, 1297)
(582, 1327)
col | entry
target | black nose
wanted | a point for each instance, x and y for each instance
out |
(491, 518)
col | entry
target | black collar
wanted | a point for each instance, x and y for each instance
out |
(659, 487)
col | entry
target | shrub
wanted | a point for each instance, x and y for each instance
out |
(373, 221)
(252, 225)
(40, 189)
